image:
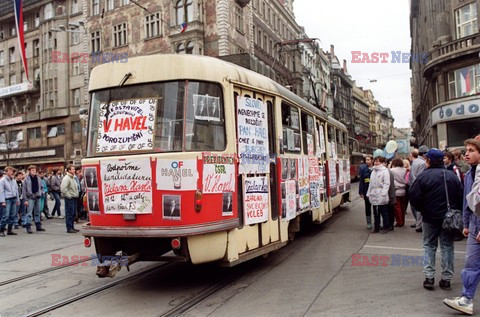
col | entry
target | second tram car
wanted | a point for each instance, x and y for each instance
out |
(204, 158)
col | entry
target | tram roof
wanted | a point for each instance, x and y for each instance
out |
(198, 67)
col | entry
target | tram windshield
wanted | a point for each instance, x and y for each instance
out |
(161, 117)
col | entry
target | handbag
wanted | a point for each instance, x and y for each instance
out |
(452, 222)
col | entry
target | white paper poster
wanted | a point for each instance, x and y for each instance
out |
(332, 175)
(176, 174)
(310, 148)
(303, 185)
(126, 125)
(315, 194)
(291, 201)
(322, 140)
(255, 199)
(218, 173)
(127, 186)
(252, 129)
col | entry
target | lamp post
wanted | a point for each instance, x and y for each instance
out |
(7, 146)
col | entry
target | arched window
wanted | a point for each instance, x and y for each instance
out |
(181, 48)
(190, 46)
(184, 11)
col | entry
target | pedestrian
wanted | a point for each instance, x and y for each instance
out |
(365, 172)
(391, 200)
(471, 230)
(399, 175)
(21, 207)
(429, 195)
(44, 198)
(460, 162)
(81, 192)
(378, 193)
(418, 165)
(449, 161)
(32, 192)
(55, 183)
(9, 199)
(69, 189)
(406, 164)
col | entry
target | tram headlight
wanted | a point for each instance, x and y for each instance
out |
(198, 200)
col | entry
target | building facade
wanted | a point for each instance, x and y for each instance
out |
(445, 72)
(361, 120)
(39, 116)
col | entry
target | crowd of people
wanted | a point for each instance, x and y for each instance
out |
(24, 197)
(432, 182)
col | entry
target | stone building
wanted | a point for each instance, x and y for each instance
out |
(445, 71)
(39, 117)
(361, 119)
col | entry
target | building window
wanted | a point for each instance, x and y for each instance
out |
(36, 48)
(180, 48)
(48, 11)
(1, 58)
(466, 20)
(291, 129)
(75, 7)
(95, 7)
(75, 38)
(239, 18)
(2, 82)
(189, 48)
(25, 26)
(120, 35)
(95, 41)
(76, 97)
(13, 80)
(35, 133)
(56, 130)
(110, 5)
(36, 74)
(37, 19)
(76, 127)
(24, 77)
(152, 25)
(13, 30)
(464, 82)
(184, 11)
(16, 136)
(124, 2)
(76, 67)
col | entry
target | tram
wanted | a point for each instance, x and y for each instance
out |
(191, 158)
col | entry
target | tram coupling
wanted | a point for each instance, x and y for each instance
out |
(110, 267)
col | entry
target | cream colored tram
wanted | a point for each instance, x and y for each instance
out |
(206, 159)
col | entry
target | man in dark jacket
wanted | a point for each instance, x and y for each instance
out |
(365, 172)
(429, 195)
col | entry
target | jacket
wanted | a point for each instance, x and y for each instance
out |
(27, 188)
(473, 197)
(470, 220)
(69, 187)
(454, 168)
(365, 173)
(427, 193)
(399, 175)
(418, 166)
(379, 185)
(8, 189)
(55, 183)
(392, 199)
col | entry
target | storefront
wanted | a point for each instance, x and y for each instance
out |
(455, 121)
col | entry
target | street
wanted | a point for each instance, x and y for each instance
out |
(312, 276)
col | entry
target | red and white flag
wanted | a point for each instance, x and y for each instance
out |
(18, 8)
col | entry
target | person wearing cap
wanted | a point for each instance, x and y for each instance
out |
(471, 229)
(429, 195)
(378, 192)
(418, 166)
(365, 172)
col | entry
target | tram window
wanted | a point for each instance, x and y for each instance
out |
(189, 116)
(291, 129)
(307, 134)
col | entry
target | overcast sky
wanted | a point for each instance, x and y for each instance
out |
(366, 26)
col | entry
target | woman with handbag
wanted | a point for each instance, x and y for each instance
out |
(435, 192)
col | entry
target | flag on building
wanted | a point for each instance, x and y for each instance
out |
(183, 27)
(466, 80)
(18, 8)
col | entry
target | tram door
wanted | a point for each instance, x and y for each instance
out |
(321, 155)
(257, 235)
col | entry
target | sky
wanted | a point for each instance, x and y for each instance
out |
(367, 26)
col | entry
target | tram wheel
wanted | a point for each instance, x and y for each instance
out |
(291, 236)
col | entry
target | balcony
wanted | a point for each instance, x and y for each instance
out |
(454, 49)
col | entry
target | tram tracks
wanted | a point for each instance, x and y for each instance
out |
(86, 294)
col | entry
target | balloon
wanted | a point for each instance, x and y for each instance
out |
(391, 146)
(378, 152)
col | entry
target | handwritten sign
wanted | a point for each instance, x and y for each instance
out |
(252, 136)
(126, 125)
(291, 201)
(313, 169)
(127, 186)
(177, 174)
(310, 149)
(332, 176)
(256, 199)
(315, 194)
(218, 173)
(303, 187)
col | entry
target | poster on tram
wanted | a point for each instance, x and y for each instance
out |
(255, 199)
(332, 177)
(314, 179)
(127, 186)
(252, 129)
(126, 125)
(303, 185)
(290, 200)
(341, 175)
(218, 173)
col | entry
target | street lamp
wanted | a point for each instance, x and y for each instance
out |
(7, 146)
